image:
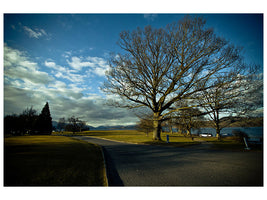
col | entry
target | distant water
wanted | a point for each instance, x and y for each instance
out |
(250, 131)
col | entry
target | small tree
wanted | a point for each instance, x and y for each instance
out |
(187, 118)
(145, 125)
(75, 124)
(170, 123)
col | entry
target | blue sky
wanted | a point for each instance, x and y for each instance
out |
(62, 58)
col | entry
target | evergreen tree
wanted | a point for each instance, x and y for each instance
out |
(45, 121)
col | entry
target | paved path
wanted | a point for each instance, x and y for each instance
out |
(147, 165)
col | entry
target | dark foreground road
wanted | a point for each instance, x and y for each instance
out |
(146, 165)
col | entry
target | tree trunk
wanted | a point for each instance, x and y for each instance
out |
(189, 133)
(218, 135)
(217, 125)
(157, 127)
(170, 128)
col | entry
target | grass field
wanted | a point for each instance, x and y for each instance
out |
(52, 161)
(175, 139)
(134, 136)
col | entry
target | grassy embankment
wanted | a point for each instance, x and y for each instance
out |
(52, 161)
(175, 139)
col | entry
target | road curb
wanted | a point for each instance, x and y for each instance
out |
(105, 168)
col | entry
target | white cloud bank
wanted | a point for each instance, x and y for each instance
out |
(26, 84)
(16, 64)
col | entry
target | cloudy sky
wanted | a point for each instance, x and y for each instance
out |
(62, 58)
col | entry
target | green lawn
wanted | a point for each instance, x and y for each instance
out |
(52, 161)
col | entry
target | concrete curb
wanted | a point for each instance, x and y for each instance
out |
(105, 168)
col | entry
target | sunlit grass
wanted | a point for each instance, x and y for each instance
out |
(51, 161)
(133, 136)
(175, 139)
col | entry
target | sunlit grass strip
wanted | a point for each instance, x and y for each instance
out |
(175, 139)
(133, 136)
(52, 161)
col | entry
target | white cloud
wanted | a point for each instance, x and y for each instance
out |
(100, 65)
(95, 65)
(54, 66)
(37, 33)
(77, 64)
(50, 64)
(75, 78)
(67, 54)
(65, 73)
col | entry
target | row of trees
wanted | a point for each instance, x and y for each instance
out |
(180, 69)
(29, 122)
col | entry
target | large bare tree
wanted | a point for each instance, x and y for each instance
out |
(159, 67)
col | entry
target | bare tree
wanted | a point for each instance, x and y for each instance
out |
(170, 122)
(75, 124)
(145, 125)
(28, 120)
(189, 118)
(163, 66)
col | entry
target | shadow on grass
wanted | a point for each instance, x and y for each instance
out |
(51, 161)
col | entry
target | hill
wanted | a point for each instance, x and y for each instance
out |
(246, 122)
(103, 128)
(237, 122)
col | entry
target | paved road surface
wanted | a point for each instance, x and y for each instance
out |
(147, 165)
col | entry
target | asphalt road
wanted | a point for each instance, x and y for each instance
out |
(147, 165)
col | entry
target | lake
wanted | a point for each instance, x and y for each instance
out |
(256, 132)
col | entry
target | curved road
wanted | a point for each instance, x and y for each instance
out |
(148, 165)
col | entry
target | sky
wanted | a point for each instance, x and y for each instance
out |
(62, 58)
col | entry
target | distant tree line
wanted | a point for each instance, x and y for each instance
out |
(29, 122)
